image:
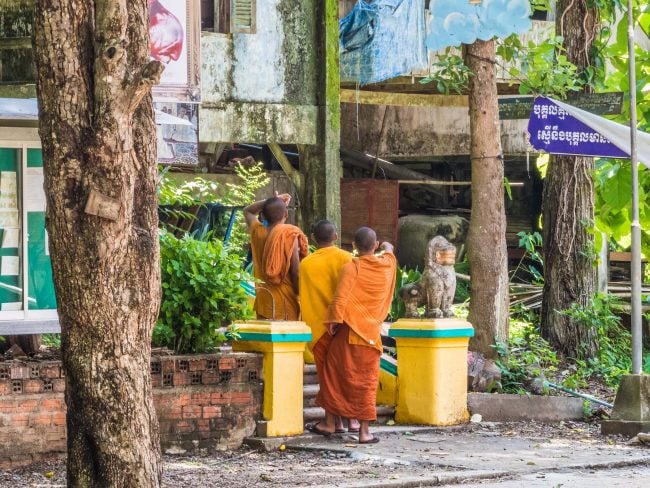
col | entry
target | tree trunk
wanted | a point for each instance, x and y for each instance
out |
(486, 240)
(98, 135)
(568, 211)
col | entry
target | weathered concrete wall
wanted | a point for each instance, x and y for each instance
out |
(261, 87)
(418, 132)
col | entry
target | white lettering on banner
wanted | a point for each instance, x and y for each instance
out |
(543, 111)
(574, 138)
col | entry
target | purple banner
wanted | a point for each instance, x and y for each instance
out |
(553, 130)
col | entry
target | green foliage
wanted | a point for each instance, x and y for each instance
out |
(462, 286)
(201, 294)
(531, 243)
(614, 352)
(526, 357)
(199, 191)
(403, 277)
(51, 340)
(542, 68)
(449, 73)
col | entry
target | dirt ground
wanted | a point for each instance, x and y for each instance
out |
(345, 463)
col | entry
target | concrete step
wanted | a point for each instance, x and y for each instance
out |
(312, 414)
(309, 395)
(310, 377)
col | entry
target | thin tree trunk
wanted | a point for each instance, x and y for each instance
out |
(97, 131)
(568, 211)
(486, 241)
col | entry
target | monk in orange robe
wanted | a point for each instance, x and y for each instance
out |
(347, 357)
(277, 249)
(320, 273)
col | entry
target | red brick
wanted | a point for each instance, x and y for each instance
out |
(210, 378)
(197, 365)
(227, 364)
(58, 385)
(5, 387)
(241, 397)
(165, 427)
(50, 371)
(156, 381)
(184, 399)
(27, 405)
(167, 365)
(52, 403)
(203, 425)
(181, 379)
(58, 418)
(191, 412)
(220, 398)
(19, 372)
(32, 386)
(211, 412)
(43, 419)
(183, 427)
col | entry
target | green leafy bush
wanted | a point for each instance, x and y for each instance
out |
(526, 358)
(201, 294)
(614, 340)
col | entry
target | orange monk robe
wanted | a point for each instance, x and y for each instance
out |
(320, 273)
(275, 298)
(348, 362)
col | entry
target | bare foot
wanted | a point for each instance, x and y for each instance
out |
(353, 425)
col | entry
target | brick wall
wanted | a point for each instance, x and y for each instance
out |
(206, 402)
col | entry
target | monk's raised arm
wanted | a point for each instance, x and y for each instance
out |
(252, 211)
(294, 266)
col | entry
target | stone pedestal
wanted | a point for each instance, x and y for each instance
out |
(431, 370)
(631, 413)
(283, 344)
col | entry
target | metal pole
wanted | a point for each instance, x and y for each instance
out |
(636, 228)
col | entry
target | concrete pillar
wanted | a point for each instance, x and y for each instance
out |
(282, 343)
(431, 370)
(320, 163)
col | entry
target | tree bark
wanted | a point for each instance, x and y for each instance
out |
(486, 240)
(568, 211)
(98, 134)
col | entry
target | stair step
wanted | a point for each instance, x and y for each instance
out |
(384, 413)
(309, 369)
(309, 391)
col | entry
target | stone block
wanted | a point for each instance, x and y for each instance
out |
(495, 407)
(631, 413)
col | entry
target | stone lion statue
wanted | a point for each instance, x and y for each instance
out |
(437, 285)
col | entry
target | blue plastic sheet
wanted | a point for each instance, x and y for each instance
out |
(382, 39)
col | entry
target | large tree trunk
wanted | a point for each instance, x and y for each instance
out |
(568, 211)
(486, 241)
(98, 135)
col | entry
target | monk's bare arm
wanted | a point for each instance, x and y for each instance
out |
(252, 211)
(294, 266)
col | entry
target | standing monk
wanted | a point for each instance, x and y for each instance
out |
(320, 272)
(349, 353)
(277, 249)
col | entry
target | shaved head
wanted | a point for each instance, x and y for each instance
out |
(365, 240)
(274, 210)
(324, 232)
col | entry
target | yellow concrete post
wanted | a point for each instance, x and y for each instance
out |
(431, 370)
(283, 344)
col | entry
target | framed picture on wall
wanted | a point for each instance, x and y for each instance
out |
(174, 30)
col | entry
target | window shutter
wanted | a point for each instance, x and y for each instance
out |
(242, 16)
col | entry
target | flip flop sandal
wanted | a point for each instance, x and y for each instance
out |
(353, 430)
(340, 431)
(315, 430)
(374, 440)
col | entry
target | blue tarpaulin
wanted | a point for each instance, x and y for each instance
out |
(382, 39)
